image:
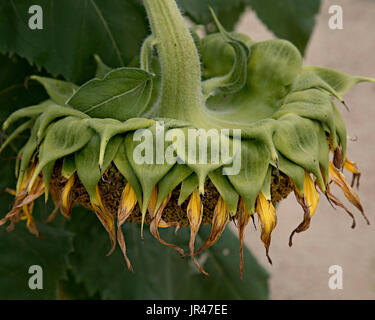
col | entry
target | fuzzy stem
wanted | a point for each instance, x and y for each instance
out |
(181, 96)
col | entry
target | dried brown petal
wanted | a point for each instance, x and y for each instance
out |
(105, 218)
(157, 223)
(243, 218)
(219, 222)
(194, 213)
(339, 179)
(353, 168)
(305, 224)
(127, 204)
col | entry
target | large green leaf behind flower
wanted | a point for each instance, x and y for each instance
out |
(159, 272)
(73, 31)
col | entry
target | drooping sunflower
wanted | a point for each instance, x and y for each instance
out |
(83, 139)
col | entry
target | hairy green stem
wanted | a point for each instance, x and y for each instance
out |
(181, 96)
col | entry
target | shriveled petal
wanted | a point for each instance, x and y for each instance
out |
(30, 224)
(219, 221)
(337, 202)
(305, 224)
(24, 203)
(311, 195)
(27, 177)
(339, 179)
(157, 223)
(195, 214)
(338, 158)
(66, 197)
(267, 221)
(243, 218)
(105, 218)
(353, 168)
(309, 203)
(127, 203)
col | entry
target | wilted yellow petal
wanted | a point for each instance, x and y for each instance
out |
(311, 195)
(27, 211)
(219, 220)
(11, 191)
(195, 214)
(353, 168)
(194, 211)
(105, 218)
(339, 179)
(127, 204)
(66, 202)
(267, 220)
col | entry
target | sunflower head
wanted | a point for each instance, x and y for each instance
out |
(280, 131)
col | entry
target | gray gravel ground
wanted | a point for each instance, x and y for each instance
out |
(301, 272)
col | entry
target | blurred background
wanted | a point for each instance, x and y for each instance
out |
(301, 272)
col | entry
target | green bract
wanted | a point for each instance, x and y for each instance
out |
(83, 136)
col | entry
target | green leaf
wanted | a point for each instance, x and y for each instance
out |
(159, 272)
(68, 167)
(47, 172)
(226, 190)
(297, 140)
(312, 104)
(20, 250)
(171, 180)
(292, 170)
(58, 90)
(53, 112)
(341, 130)
(206, 158)
(14, 94)
(64, 137)
(29, 112)
(255, 159)
(273, 65)
(101, 68)
(108, 128)
(23, 127)
(87, 162)
(235, 80)
(73, 31)
(122, 94)
(339, 81)
(69, 289)
(217, 55)
(228, 12)
(292, 20)
(123, 165)
(148, 174)
(187, 188)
